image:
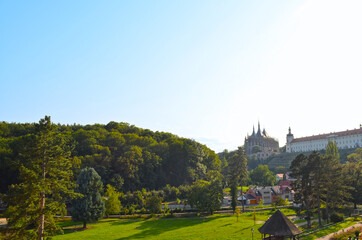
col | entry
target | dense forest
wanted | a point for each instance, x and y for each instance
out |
(125, 156)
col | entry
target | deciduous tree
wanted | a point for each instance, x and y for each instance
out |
(262, 176)
(112, 202)
(207, 195)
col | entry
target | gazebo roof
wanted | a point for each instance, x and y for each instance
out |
(279, 225)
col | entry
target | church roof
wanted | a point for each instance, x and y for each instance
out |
(327, 135)
(279, 225)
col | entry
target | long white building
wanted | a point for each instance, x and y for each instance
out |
(344, 140)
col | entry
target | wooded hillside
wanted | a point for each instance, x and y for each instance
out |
(125, 156)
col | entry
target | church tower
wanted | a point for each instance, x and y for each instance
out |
(290, 138)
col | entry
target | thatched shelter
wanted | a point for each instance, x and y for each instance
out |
(278, 226)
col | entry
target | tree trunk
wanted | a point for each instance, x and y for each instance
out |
(242, 198)
(42, 204)
(85, 224)
(42, 217)
(319, 211)
(327, 210)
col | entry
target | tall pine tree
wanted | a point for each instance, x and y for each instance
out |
(237, 174)
(45, 182)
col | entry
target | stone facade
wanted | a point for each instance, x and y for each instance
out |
(344, 140)
(268, 146)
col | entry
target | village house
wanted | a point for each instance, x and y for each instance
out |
(268, 194)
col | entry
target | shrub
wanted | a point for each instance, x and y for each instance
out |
(154, 204)
(125, 211)
(132, 210)
(336, 217)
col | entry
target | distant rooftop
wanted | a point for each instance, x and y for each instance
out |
(328, 135)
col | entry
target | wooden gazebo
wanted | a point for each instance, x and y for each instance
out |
(279, 227)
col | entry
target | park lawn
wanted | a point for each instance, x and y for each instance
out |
(211, 227)
(331, 229)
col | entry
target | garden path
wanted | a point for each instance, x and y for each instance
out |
(345, 230)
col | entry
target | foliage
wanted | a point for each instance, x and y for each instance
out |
(256, 149)
(127, 157)
(336, 217)
(90, 207)
(261, 203)
(332, 149)
(45, 175)
(207, 195)
(353, 173)
(303, 185)
(281, 202)
(328, 230)
(237, 173)
(112, 202)
(171, 193)
(262, 176)
(154, 204)
(347, 235)
(319, 180)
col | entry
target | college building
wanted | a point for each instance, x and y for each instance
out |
(344, 140)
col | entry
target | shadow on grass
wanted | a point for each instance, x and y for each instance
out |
(154, 227)
(71, 227)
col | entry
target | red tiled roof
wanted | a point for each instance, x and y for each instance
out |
(324, 136)
(285, 183)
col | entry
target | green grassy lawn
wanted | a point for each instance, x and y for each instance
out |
(211, 227)
(331, 229)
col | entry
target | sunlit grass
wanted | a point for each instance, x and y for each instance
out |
(211, 227)
(332, 229)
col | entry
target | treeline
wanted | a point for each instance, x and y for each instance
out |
(125, 156)
(324, 185)
(48, 165)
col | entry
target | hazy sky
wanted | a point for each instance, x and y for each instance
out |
(207, 70)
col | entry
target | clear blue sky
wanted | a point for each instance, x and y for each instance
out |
(206, 70)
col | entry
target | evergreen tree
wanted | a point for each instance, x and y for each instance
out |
(353, 172)
(112, 202)
(319, 180)
(333, 181)
(45, 182)
(90, 207)
(303, 185)
(237, 174)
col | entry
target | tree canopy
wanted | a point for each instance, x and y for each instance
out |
(262, 176)
(42, 159)
(127, 157)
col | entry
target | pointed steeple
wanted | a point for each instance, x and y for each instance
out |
(259, 132)
(253, 131)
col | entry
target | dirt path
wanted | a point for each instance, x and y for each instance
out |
(345, 230)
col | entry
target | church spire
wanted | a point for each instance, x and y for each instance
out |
(259, 132)
(253, 131)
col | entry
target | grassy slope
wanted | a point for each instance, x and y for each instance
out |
(212, 227)
(331, 229)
